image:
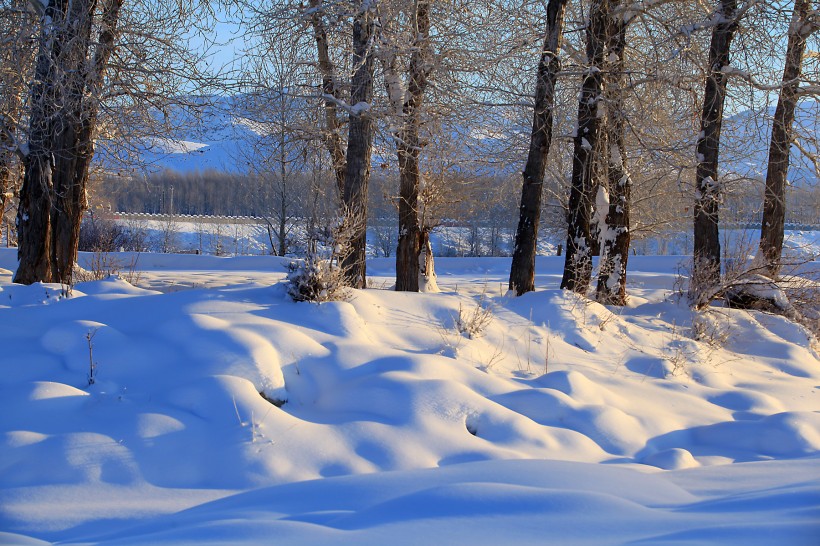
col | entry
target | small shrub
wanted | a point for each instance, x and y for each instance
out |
(100, 234)
(474, 321)
(315, 279)
(320, 276)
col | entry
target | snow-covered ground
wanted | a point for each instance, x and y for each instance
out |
(223, 413)
(222, 236)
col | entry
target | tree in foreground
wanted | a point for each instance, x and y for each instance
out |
(76, 41)
(406, 96)
(804, 22)
(586, 153)
(705, 275)
(522, 271)
(360, 141)
(616, 197)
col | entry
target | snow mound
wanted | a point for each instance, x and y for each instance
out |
(375, 421)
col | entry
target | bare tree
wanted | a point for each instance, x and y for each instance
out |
(706, 255)
(360, 141)
(332, 130)
(60, 137)
(522, 271)
(616, 200)
(586, 165)
(18, 25)
(88, 67)
(406, 97)
(804, 22)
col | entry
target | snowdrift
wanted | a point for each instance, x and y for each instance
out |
(227, 414)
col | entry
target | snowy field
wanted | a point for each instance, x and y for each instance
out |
(223, 413)
(223, 236)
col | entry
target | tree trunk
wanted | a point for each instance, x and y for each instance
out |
(578, 258)
(359, 147)
(409, 248)
(333, 140)
(282, 233)
(34, 210)
(774, 200)
(706, 255)
(63, 120)
(615, 236)
(427, 269)
(8, 178)
(71, 178)
(522, 271)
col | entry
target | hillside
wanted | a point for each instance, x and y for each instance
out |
(223, 135)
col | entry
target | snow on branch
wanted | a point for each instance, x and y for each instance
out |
(732, 71)
(355, 110)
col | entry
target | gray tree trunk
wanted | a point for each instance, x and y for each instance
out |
(359, 146)
(332, 137)
(34, 210)
(706, 255)
(522, 271)
(774, 199)
(411, 241)
(578, 257)
(615, 235)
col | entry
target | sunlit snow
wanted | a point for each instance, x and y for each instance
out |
(224, 413)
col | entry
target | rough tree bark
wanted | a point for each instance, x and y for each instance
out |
(578, 257)
(522, 271)
(411, 241)
(61, 141)
(774, 199)
(9, 170)
(332, 137)
(615, 235)
(34, 210)
(359, 145)
(706, 255)
(72, 146)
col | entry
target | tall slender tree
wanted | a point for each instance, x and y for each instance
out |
(72, 168)
(522, 271)
(586, 153)
(18, 26)
(408, 107)
(333, 124)
(804, 22)
(359, 143)
(706, 255)
(614, 233)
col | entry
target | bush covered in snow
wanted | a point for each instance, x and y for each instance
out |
(320, 276)
(316, 279)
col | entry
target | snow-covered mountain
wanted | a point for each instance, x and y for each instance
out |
(214, 134)
(226, 132)
(746, 143)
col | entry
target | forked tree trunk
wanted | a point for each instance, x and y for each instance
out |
(706, 255)
(332, 138)
(71, 178)
(774, 200)
(522, 271)
(411, 241)
(359, 146)
(578, 258)
(72, 146)
(615, 236)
